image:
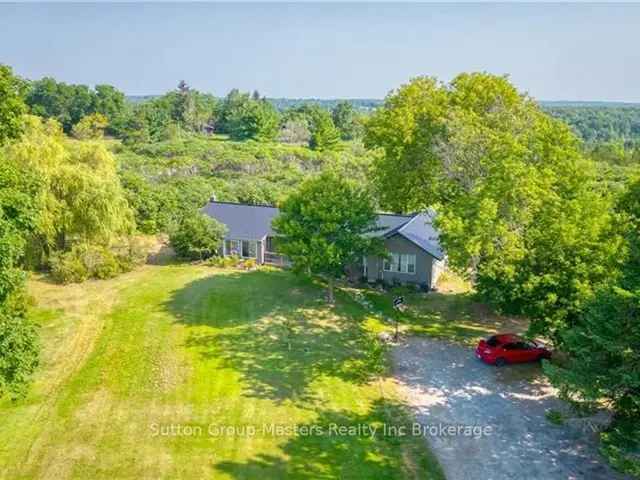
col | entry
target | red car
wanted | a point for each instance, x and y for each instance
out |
(510, 348)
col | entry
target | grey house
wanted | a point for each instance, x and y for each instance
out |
(414, 253)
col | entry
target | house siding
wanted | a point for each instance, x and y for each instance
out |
(424, 274)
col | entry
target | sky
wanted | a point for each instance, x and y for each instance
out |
(580, 52)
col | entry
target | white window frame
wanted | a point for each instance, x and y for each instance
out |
(400, 263)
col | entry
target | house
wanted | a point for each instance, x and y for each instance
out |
(414, 253)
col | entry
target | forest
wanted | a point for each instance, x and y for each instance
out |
(539, 207)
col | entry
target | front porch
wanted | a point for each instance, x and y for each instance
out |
(262, 251)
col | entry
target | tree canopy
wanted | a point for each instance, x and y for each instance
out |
(197, 236)
(603, 346)
(80, 196)
(323, 227)
(68, 103)
(12, 106)
(518, 206)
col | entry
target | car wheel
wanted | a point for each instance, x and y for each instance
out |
(500, 362)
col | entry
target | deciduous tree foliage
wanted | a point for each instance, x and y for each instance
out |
(91, 127)
(12, 105)
(80, 197)
(323, 134)
(517, 204)
(253, 119)
(323, 227)
(346, 120)
(197, 236)
(604, 344)
(18, 219)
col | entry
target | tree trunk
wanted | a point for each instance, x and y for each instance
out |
(61, 241)
(330, 296)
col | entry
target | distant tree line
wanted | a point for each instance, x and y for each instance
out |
(602, 123)
(87, 113)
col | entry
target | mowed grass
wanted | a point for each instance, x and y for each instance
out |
(192, 372)
(451, 313)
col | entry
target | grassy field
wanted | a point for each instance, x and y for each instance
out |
(192, 372)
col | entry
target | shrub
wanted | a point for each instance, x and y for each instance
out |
(85, 261)
(197, 237)
(68, 268)
(132, 252)
(249, 264)
(232, 261)
(90, 127)
(18, 351)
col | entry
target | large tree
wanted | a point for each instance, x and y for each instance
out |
(346, 120)
(323, 134)
(518, 205)
(81, 197)
(323, 227)
(19, 191)
(12, 106)
(253, 119)
(69, 103)
(603, 346)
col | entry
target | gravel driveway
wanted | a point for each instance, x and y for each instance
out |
(448, 386)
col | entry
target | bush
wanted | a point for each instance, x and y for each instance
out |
(197, 237)
(85, 261)
(249, 264)
(18, 348)
(132, 252)
(621, 446)
(232, 261)
(68, 268)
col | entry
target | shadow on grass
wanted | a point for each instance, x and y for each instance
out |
(343, 445)
(454, 316)
(277, 331)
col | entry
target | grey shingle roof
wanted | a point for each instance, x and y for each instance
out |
(253, 222)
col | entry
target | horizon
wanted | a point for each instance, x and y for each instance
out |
(554, 52)
(381, 99)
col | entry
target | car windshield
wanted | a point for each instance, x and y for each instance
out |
(493, 341)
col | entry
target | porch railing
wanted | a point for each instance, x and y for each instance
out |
(272, 258)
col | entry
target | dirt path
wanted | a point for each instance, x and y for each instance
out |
(447, 385)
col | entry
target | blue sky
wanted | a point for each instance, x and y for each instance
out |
(555, 52)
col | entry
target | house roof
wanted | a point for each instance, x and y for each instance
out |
(253, 222)
(245, 222)
(420, 230)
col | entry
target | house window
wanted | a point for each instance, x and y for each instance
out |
(249, 249)
(401, 263)
(411, 264)
(232, 247)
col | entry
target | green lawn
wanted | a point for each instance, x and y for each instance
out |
(142, 373)
(452, 313)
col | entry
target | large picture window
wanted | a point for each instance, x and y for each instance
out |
(401, 263)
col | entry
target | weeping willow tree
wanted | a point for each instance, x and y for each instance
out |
(80, 199)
